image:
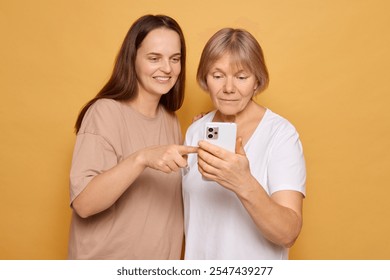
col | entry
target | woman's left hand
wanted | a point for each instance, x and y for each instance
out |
(230, 170)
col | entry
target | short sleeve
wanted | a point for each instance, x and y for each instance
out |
(287, 168)
(92, 155)
(94, 150)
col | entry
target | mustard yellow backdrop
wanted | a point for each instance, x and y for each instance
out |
(329, 68)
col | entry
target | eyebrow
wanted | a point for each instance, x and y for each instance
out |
(159, 54)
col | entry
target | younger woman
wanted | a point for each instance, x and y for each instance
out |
(125, 188)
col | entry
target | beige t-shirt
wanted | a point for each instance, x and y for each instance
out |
(146, 222)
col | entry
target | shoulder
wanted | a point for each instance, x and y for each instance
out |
(278, 124)
(282, 134)
(105, 105)
(101, 115)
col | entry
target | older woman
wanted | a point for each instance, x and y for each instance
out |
(247, 204)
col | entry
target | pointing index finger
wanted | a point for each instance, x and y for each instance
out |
(184, 150)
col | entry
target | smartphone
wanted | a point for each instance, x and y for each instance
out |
(222, 134)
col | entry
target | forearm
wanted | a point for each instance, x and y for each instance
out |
(107, 187)
(278, 223)
(104, 189)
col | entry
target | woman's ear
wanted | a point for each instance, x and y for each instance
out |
(257, 84)
(203, 86)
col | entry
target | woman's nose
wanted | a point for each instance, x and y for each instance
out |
(166, 66)
(229, 86)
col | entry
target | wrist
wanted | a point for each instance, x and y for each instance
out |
(139, 159)
(248, 188)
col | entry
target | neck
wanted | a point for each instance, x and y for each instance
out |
(219, 117)
(146, 106)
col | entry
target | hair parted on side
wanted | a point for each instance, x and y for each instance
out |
(122, 84)
(244, 49)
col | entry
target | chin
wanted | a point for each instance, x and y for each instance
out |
(164, 91)
(228, 111)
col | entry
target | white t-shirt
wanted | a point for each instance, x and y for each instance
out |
(217, 226)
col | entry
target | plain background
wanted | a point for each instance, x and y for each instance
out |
(329, 75)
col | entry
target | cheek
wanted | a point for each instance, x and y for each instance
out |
(213, 88)
(213, 94)
(247, 91)
(214, 100)
(176, 68)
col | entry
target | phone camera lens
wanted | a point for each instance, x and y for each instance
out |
(209, 136)
(211, 129)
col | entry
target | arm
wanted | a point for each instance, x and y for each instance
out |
(278, 217)
(104, 189)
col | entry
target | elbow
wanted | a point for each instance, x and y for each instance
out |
(289, 239)
(80, 209)
(83, 215)
(288, 243)
(285, 240)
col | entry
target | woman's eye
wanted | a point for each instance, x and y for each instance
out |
(242, 77)
(176, 59)
(153, 58)
(217, 76)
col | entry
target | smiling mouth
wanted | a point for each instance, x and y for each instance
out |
(162, 79)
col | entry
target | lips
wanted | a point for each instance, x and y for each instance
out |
(162, 78)
(228, 100)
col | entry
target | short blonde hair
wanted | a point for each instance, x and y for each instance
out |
(243, 49)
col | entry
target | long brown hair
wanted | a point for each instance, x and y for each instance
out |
(122, 84)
